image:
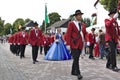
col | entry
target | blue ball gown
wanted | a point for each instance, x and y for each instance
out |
(58, 50)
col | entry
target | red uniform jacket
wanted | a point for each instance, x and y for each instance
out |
(16, 38)
(71, 34)
(46, 41)
(23, 38)
(91, 38)
(10, 40)
(112, 30)
(52, 39)
(34, 39)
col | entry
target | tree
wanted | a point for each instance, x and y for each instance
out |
(7, 28)
(109, 4)
(87, 21)
(17, 23)
(54, 17)
(27, 20)
(1, 26)
(43, 26)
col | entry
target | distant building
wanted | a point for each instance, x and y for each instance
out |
(63, 24)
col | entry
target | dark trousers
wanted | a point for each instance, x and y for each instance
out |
(11, 48)
(18, 49)
(102, 50)
(41, 49)
(46, 48)
(91, 47)
(22, 50)
(75, 66)
(34, 52)
(111, 58)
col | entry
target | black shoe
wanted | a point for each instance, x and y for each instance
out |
(41, 53)
(115, 69)
(23, 56)
(75, 74)
(17, 54)
(92, 58)
(108, 67)
(79, 77)
(33, 62)
(36, 61)
(20, 57)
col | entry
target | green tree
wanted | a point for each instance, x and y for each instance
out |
(54, 17)
(42, 27)
(109, 4)
(27, 20)
(87, 21)
(1, 26)
(7, 28)
(17, 23)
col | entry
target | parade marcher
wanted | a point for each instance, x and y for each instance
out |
(111, 38)
(101, 44)
(23, 38)
(91, 41)
(17, 42)
(34, 40)
(58, 50)
(75, 36)
(41, 45)
(10, 41)
(46, 43)
(96, 48)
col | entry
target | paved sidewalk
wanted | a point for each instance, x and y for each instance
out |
(14, 68)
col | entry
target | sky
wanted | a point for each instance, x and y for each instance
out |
(10, 10)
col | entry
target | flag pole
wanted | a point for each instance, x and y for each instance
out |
(45, 27)
(45, 15)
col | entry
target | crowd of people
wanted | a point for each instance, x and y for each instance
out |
(101, 44)
(39, 40)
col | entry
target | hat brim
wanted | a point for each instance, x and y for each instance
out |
(78, 14)
(111, 13)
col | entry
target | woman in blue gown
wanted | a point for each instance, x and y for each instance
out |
(58, 50)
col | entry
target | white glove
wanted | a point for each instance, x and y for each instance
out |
(29, 44)
(18, 43)
(14, 44)
(57, 40)
(116, 15)
(10, 43)
(88, 43)
(68, 47)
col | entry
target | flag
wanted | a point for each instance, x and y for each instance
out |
(96, 3)
(46, 15)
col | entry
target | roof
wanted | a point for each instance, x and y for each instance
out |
(61, 23)
(29, 24)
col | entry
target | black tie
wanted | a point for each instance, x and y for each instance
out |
(79, 26)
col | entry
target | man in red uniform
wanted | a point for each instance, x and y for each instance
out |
(46, 43)
(34, 39)
(111, 38)
(23, 39)
(91, 41)
(74, 37)
(17, 43)
(10, 41)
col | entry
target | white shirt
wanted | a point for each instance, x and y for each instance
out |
(76, 23)
(23, 33)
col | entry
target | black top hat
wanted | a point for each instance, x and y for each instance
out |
(93, 29)
(35, 24)
(112, 12)
(23, 28)
(78, 12)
